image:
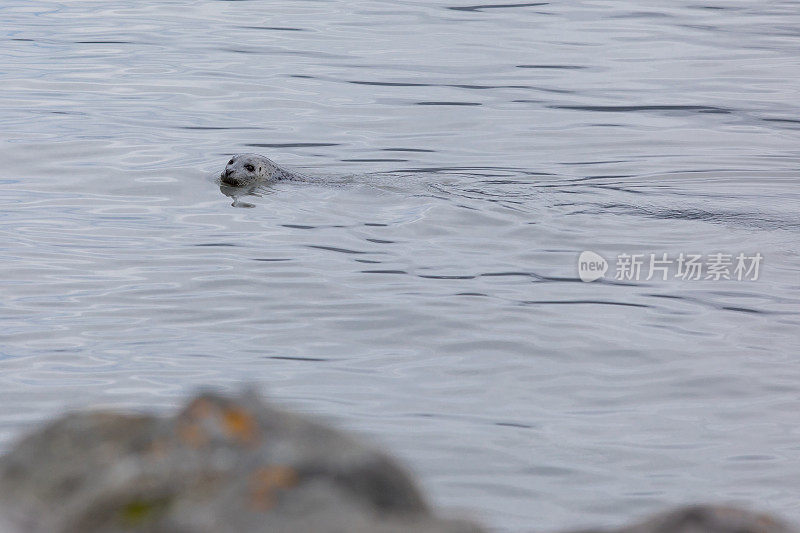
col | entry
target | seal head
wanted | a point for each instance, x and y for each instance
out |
(247, 169)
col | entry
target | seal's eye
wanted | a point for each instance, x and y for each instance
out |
(230, 162)
(249, 167)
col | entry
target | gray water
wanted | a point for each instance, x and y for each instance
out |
(425, 290)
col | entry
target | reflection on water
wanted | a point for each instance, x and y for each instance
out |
(422, 286)
(237, 193)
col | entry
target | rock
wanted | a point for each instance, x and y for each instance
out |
(221, 465)
(236, 465)
(707, 519)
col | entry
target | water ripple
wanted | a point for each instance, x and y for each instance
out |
(423, 286)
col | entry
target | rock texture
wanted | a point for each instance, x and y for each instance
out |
(236, 465)
(221, 465)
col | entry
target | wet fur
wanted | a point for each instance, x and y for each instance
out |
(244, 170)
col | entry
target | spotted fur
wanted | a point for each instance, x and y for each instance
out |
(244, 170)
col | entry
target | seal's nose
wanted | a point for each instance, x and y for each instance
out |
(228, 180)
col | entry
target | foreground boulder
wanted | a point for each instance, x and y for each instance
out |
(236, 465)
(706, 519)
(221, 465)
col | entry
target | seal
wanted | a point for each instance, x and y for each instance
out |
(244, 170)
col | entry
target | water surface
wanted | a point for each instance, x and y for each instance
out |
(430, 296)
